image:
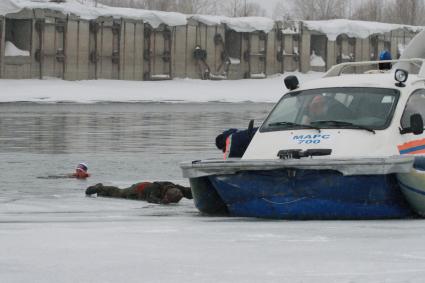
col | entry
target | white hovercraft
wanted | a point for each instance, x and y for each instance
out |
(347, 146)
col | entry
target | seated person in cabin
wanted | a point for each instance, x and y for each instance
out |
(152, 192)
(323, 108)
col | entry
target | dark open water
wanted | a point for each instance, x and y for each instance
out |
(122, 143)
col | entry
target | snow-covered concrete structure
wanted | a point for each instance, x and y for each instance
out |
(73, 41)
(339, 41)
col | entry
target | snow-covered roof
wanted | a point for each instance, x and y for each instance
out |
(243, 24)
(154, 18)
(358, 29)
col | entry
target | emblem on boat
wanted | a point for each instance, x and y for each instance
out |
(311, 139)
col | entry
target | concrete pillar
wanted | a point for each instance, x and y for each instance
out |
(72, 48)
(255, 47)
(2, 43)
(279, 47)
(105, 48)
(83, 55)
(139, 47)
(272, 65)
(381, 45)
(219, 50)
(207, 43)
(128, 50)
(365, 49)
(305, 50)
(192, 70)
(358, 50)
(344, 47)
(94, 35)
(116, 56)
(245, 64)
(158, 63)
(396, 39)
(331, 54)
(180, 54)
(289, 64)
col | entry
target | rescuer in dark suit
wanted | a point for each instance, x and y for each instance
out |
(234, 142)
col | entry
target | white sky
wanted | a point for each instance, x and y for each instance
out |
(268, 5)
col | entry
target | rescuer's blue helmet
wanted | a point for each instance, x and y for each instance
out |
(385, 55)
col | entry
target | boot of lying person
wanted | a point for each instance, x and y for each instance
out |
(105, 191)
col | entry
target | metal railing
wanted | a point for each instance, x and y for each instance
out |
(409, 64)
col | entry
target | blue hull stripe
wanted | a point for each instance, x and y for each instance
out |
(412, 189)
(412, 149)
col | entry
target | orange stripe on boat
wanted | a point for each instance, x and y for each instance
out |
(410, 144)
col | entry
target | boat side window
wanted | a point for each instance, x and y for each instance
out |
(288, 111)
(415, 104)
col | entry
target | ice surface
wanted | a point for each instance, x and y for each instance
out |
(175, 244)
(51, 232)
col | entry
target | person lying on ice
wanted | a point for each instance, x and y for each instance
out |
(155, 192)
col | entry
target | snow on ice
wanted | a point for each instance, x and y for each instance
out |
(177, 90)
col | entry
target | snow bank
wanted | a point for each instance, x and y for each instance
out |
(316, 60)
(177, 90)
(359, 29)
(12, 50)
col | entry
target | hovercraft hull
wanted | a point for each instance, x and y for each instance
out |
(299, 193)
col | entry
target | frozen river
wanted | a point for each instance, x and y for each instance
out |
(51, 232)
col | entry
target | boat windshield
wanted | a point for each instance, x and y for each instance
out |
(359, 108)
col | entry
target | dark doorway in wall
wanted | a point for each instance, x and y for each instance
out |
(233, 44)
(346, 49)
(318, 49)
(19, 32)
